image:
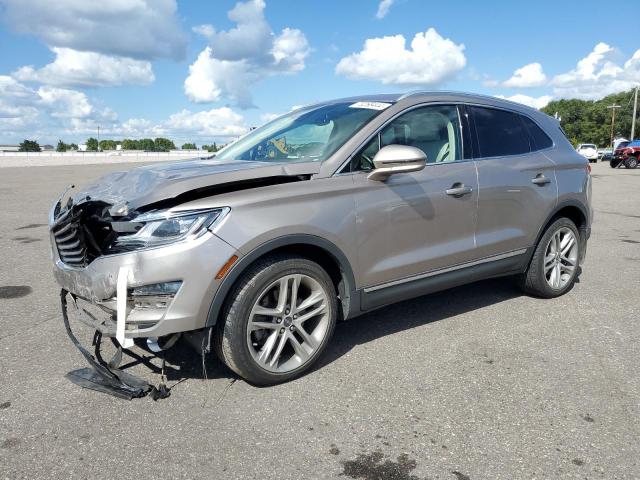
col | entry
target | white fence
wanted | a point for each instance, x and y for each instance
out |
(42, 159)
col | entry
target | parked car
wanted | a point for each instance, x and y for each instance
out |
(371, 200)
(588, 151)
(627, 154)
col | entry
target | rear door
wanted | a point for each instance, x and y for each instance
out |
(516, 180)
(414, 223)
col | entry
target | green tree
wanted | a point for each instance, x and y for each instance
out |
(146, 144)
(163, 145)
(589, 121)
(72, 146)
(92, 144)
(61, 147)
(189, 146)
(108, 144)
(128, 144)
(29, 146)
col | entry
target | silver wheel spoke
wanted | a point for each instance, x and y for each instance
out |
(310, 301)
(276, 355)
(283, 294)
(557, 274)
(311, 314)
(264, 326)
(295, 285)
(567, 243)
(299, 349)
(267, 312)
(308, 339)
(549, 262)
(265, 351)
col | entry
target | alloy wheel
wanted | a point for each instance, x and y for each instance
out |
(288, 323)
(561, 258)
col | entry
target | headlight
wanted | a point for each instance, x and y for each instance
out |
(154, 229)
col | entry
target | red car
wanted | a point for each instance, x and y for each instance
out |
(627, 154)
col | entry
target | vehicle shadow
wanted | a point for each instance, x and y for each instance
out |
(417, 312)
(183, 363)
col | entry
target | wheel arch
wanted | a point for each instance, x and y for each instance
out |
(315, 248)
(574, 211)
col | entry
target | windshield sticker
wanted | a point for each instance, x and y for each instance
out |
(371, 105)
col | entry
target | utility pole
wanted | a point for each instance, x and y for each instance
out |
(613, 121)
(633, 119)
(98, 138)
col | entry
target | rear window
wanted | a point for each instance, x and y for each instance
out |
(500, 133)
(539, 139)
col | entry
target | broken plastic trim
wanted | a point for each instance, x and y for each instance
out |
(106, 377)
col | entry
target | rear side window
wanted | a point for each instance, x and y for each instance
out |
(539, 139)
(499, 132)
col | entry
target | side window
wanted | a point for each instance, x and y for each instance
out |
(499, 132)
(540, 140)
(435, 130)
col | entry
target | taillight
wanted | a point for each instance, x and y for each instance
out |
(589, 168)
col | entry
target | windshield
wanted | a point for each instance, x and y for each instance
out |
(587, 145)
(304, 135)
(622, 144)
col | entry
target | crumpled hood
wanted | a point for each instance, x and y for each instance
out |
(153, 183)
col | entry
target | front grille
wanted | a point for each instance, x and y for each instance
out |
(69, 238)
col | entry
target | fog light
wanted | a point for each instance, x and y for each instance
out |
(155, 289)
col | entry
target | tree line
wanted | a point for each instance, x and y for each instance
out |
(589, 121)
(145, 144)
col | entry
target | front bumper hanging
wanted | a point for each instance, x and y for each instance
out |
(105, 376)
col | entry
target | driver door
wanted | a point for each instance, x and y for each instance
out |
(409, 224)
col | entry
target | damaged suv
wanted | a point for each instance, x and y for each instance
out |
(319, 216)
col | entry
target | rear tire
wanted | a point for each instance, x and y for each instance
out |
(614, 163)
(260, 337)
(554, 265)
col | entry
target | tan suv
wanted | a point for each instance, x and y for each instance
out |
(321, 215)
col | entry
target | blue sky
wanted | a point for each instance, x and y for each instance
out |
(204, 71)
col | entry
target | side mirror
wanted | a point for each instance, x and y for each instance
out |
(394, 159)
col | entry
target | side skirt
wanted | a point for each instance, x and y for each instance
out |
(371, 298)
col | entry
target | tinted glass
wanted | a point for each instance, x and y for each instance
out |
(540, 140)
(434, 130)
(499, 132)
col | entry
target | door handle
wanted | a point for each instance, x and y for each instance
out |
(540, 180)
(458, 190)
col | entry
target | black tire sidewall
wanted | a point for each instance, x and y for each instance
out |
(234, 330)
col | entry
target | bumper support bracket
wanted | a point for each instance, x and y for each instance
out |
(105, 376)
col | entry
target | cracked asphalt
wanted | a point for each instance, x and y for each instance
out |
(479, 382)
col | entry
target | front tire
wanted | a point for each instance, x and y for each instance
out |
(554, 265)
(278, 320)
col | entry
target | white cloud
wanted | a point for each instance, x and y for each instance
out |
(206, 30)
(383, 8)
(48, 113)
(238, 58)
(65, 103)
(534, 102)
(530, 75)
(143, 29)
(27, 113)
(72, 68)
(431, 60)
(217, 122)
(598, 74)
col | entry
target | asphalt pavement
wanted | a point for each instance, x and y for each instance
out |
(478, 382)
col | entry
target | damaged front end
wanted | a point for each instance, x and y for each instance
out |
(88, 233)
